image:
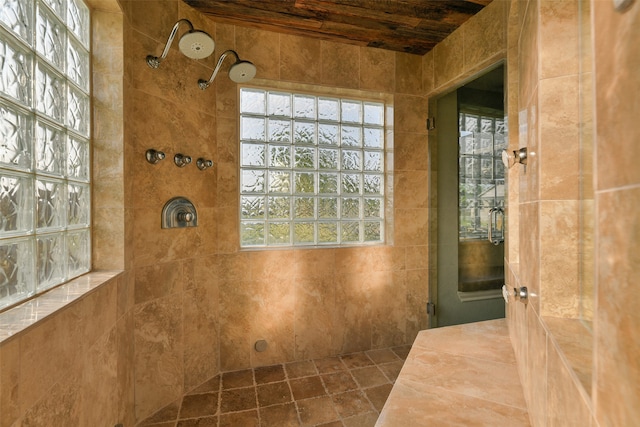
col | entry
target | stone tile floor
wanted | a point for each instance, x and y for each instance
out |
(342, 391)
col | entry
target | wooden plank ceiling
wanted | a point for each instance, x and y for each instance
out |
(413, 26)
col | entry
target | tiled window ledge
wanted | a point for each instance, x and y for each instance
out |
(19, 318)
(458, 375)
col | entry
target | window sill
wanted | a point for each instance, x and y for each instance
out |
(23, 316)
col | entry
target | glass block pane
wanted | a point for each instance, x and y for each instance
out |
(373, 161)
(279, 130)
(328, 134)
(50, 260)
(17, 17)
(51, 38)
(78, 20)
(304, 133)
(327, 207)
(279, 156)
(350, 207)
(373, 184)
(471, 123)
(50, 201)
(350, 183)
(486, 165)
(303, 232)
(252, 101)
(304, 182)
(328, 183)
(78, 64)
(252, 181)
(78, 158)
(351, 136)
(252, 128)
(327, 158)
(50, 93)
(252, 207)
(16, 133)
(304, 207)
(351, 160)
(15, 72)
(78, 111)
(352, 111)
(328, 109)
(372, 231)
(17, 276)
(304, 106)
(79, 200)
(467, 144)
(253, 154)
(279, 233)
(486, 124)
(374, 114)
(373, 138)
(279, 207)
(305, 157)
(501, 127)
(372, 207)
(78, 253)
(16, 203)
(50, 149)
(251, 233)
(58, 6)
(328, 232)
(279, 104)
(350, 231)
(279, 182)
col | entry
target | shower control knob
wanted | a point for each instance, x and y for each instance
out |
(185, 216)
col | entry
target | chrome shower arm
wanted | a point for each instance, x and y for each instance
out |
(154, 61)
(203, 84)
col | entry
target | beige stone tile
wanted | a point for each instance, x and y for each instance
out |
(485, 34)
(300, 59)
(559, 122)
(411, 151)
(340, 65)
(411, 189)
(410, 113)
(235, 325)
(559, 36)
(9, 381)
(59, 406)
(314, 315)
(159, 347)
(155, 18)
(261, 48)
(536, 367)
(200, 308)
(528, 53)
(408, 73)
(428, 73)
(376, 67)
(271, 265)
(530, 252)
(316, 411)
(314, 263)
(419, 404)
(158, 280)
(411, 227)
(353, 320)
(566, 406)
(617, 317)
(448, 58)
(388, 310)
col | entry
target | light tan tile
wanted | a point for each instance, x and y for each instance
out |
(559, 34)
(376, 65)
(340, 65)
(300, 59)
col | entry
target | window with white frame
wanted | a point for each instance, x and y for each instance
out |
(312, 170)
(45, 202)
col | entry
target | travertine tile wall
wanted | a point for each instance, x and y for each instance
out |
(200, 302)
(549, 94)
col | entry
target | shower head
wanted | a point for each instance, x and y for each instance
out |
(240, 72)
(194, 44)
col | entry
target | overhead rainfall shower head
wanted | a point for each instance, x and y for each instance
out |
(240, 72)
(194, 44)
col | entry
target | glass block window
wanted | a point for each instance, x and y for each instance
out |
(45, 193)
(312, 170)
(481, 172)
